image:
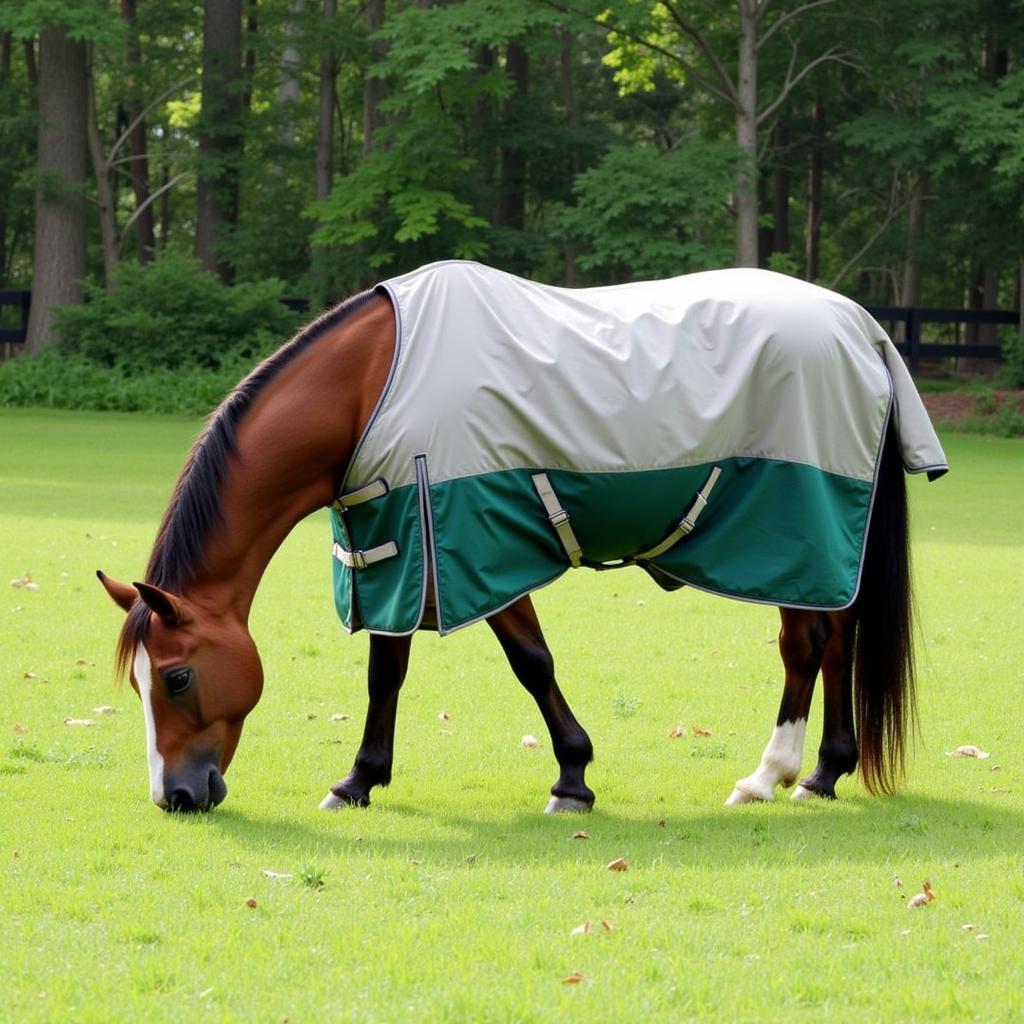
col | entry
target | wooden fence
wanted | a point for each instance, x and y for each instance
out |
(911, 343)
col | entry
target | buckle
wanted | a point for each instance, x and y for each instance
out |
(559, 517)
(358, 560)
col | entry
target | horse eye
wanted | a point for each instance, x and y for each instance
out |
(178, 681)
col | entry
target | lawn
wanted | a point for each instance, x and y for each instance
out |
(453, 898)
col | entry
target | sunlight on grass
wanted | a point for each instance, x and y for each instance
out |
(453, 898)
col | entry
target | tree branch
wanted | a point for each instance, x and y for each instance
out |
(788, 16)
(792, 81)
(151, 198)
(690, 30)
(704, 82)
(123, 137)
(894, 208)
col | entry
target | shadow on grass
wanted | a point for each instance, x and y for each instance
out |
(858, 829)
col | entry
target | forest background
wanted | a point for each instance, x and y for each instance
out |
(154, 151)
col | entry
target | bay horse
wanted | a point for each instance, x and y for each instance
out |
(285, 442)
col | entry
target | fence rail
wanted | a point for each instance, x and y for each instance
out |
(912, 346)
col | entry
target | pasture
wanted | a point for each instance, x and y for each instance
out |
(453, 898)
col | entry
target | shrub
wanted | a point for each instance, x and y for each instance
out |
(67, 380)
(171, 314)
(1013, 351)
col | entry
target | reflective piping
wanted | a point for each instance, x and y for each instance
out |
(361, 559)
(687, 523)
(558, 518)
(374, 489)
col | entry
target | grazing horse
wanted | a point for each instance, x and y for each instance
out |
(475, 435)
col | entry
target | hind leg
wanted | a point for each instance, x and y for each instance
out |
(802, 642)
(389, 660)
(522, 640)
(837, 754)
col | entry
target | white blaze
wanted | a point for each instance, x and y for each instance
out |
(144, 678)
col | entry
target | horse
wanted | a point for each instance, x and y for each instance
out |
(826, 542)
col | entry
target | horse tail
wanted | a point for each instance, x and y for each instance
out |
(883, 657)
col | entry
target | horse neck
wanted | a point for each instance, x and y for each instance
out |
(293, 447)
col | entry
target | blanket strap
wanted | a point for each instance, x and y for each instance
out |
(374, 489)
(361, 559)
(686, 524)
(558, 518)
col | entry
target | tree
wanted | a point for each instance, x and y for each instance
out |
(220, 133)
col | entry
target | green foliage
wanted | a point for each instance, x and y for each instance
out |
(93, 20)
(1013, 352)
(62, 380)
(645, 214)
(170, 314)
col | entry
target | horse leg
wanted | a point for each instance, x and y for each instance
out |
(389, 659)
(802, 641)
(837, 754)
(520, 636)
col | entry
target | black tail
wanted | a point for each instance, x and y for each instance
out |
(883, 660)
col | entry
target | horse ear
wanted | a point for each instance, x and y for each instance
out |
(122, 595)
(170, 608)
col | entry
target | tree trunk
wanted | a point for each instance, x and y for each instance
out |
(220, 133)
(58, 259)
(512, 160)
(31, 68)
(288, 91)
(325, 122)
(572, 121)
(911, 291)
(374, 89)
(145, 233)
(6, 41)
(815, 184)
(101, 171)
(251, 28)
(783, 185)
(746, 137)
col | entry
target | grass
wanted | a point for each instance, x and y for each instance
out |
(453, 898)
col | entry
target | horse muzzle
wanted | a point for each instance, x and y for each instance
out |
(199, 788)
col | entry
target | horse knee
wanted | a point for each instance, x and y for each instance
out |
(802, 643)
(533, 666)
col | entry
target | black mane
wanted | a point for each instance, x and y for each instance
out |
(195, 509)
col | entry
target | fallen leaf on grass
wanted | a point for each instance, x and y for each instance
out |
(277, 874)
(699, 730)
(79, 721)
(576, 978)
(581, 929)
(968, 750)
(968, 927)
(251, 901)
(29, 675)
(620, 864)
(471, 859)
(25, 582)
(922, 898)
(105, 709)
(339, 717)
(608, 926)
(530, 741)
(580, 834)
(443, 716)
(20, 730)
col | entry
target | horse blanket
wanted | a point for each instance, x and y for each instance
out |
(721, 430)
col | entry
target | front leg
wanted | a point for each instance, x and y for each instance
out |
(389, 660)
(522, 640)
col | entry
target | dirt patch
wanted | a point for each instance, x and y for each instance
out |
(953, 406)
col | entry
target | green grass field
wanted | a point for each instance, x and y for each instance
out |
(453, 898)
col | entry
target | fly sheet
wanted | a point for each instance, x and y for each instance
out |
(721, 430)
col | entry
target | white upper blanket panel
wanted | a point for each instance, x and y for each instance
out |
(494, 372)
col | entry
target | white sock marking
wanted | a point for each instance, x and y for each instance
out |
(143, 669)
(780, 762)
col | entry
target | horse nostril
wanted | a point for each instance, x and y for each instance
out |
(181, 800)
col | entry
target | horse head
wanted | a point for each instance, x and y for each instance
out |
(198, 675)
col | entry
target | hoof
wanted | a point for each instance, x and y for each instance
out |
(803, 793)
(567, 805)
(741, 796)
(333, 801)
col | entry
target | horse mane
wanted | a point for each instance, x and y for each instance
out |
(195, 507)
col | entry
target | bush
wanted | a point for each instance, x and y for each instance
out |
(62, 380)
(171, 314)
(1013, 351)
